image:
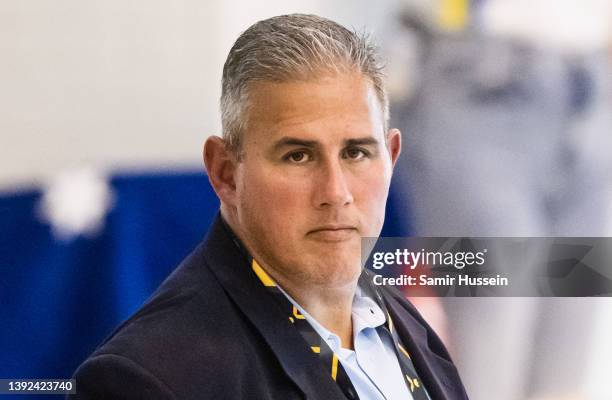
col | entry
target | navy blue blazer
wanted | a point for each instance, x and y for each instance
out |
(212, 331)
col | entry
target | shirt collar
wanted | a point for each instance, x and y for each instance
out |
(366, 313)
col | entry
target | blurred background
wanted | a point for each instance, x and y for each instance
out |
(506, 112)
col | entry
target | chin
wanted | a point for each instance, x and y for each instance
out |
(337, 271)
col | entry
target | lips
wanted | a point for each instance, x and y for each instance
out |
(333, 233)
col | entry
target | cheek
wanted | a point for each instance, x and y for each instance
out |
(371, 197)
(372, 188)
(272, 199)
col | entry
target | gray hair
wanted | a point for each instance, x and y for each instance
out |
(289, 48)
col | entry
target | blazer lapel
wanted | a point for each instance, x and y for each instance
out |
(231, 268)
(436, 371)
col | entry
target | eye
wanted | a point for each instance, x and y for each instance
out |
(297, 157)
(355, 153)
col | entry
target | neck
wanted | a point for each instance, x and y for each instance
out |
(331, 307)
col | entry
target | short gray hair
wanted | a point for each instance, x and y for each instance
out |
(289, 48)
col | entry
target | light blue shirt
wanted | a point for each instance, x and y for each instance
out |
(372, 367)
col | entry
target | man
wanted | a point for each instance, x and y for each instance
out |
(273, 304)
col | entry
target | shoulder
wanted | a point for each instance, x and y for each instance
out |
(181, 335)
(105, 376)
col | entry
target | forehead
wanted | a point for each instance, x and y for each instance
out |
(329, 106)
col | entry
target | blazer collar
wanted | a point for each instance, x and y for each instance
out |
(430, 359)
(230, 265)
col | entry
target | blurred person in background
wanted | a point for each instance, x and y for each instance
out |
(507, 114)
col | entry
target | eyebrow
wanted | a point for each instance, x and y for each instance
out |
(292, 141)
(365, 141)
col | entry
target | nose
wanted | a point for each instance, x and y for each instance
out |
(332, 186)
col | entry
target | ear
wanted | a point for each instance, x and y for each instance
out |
(221, 168)
(394, 144)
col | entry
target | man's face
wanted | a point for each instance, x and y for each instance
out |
(314, 177)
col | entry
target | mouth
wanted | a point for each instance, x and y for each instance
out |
(333, 233)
